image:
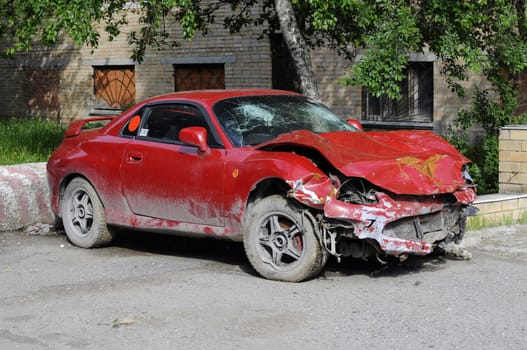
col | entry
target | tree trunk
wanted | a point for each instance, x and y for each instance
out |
(297, 47)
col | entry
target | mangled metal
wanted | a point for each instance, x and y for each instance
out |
(359, 220)
(221, 163)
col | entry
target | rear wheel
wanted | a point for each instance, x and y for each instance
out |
(83, 215)
(280, 242)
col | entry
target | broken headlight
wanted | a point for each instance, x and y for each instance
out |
(466, 175)
(357, 191)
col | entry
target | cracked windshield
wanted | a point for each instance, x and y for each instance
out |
(256, 119)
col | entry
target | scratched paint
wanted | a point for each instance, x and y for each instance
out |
(307, 190)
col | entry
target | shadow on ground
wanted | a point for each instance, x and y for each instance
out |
(232, 253)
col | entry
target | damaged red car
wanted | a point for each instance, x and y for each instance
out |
(274, 169)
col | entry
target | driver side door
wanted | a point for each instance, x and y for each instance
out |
(164, 178)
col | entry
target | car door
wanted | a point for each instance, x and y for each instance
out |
(164, 178)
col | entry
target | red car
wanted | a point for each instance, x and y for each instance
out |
(274, 169)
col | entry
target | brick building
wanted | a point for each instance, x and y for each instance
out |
(69, 82)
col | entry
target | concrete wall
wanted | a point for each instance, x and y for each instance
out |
(513, 159)
(499, 209)
(510, 204)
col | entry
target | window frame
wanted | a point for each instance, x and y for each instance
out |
(199, 68)
(415, 116)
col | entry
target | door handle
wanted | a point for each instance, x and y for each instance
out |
(134, 157)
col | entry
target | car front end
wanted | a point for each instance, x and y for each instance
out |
(359, 219)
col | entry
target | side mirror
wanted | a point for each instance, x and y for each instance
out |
(355, 123)
(195, 136)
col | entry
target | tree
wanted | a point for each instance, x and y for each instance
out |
(297, 47)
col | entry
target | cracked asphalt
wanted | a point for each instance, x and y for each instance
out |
(161, 292)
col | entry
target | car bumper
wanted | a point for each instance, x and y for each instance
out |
(404, 224)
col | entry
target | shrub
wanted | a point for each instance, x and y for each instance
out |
(483, 150)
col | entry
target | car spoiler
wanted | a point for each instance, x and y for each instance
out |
(75, 128)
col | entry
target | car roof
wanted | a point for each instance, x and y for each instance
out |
(212, 96)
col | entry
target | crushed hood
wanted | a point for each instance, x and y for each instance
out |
(403, 162)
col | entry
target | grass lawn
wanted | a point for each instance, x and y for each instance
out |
(27, 140)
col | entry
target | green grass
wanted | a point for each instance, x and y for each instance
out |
(27, 140)
(475, 223)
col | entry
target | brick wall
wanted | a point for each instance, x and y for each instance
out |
(513, 159)
(247, 63)
(499, 209)
(246, 59)
(329, 67)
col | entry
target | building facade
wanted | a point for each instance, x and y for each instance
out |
(69, 82)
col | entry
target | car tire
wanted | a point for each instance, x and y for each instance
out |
(83, 215)
(280, 242)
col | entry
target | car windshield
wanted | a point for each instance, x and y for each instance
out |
(250, 120)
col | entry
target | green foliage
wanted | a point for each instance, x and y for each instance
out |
(28, 140)
(490, 116)
(395, 34)
(25, 22)
(482, 36)
(485, 163)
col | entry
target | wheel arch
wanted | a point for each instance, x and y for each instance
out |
(276, 186)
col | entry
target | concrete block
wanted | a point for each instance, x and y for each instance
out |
(511, 145)
(489, 207)
(511, 188)
(24, 196)
(518, 157)
(512, 167)
(509, 205)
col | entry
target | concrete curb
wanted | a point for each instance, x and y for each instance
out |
(24, 196)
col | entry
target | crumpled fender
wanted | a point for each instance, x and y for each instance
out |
(370, 220)
(313, 190)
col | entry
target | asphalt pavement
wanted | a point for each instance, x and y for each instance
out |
(151, 291)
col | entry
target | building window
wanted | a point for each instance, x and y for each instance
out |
(415, 104)
(198, 76)
(284, 75)
(41, 89)
(114, 87)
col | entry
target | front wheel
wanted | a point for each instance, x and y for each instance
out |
(280, 242)
(83, 215)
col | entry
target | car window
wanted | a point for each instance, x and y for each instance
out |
(132, 126)
(164, 122)
(255, 119)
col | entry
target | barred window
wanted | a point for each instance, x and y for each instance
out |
(114, 87)
(414, 105)
(199, 76)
